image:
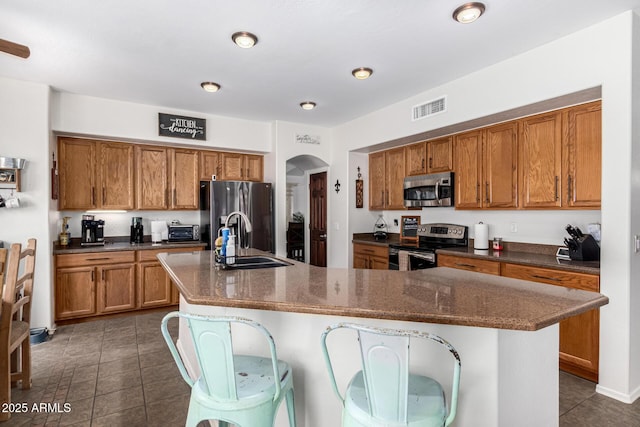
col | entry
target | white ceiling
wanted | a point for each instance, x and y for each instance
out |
(158, 51)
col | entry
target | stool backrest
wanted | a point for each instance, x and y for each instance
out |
(18, 287)
(212, 340)
(385, 366)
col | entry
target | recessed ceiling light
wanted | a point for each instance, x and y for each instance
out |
(210, 86)
(244, 39)
(468, 12)
(362, 73)
(308, 105)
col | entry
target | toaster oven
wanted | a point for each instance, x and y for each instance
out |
(183, 233)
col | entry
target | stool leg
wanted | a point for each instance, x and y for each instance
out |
(26, 364)
(291, 408)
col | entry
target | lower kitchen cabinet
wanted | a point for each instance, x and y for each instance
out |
(155, 288)
(372, 257)
(579, 335)
(95, 283)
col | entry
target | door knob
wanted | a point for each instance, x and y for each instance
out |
(323, 236)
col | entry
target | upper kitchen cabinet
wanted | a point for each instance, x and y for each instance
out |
(440, 155)
(242, 167)
(386, 179)
(429, 157)
(95, 174)
(184, 179)
(152, 183)
(167, 178)
(582, 156)
(540, 160)
(486, 168)
(468, 169)
(210, 164)
(416, 158)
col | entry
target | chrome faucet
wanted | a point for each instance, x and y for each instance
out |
(245, 219)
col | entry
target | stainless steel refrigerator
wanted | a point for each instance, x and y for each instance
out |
(254, 199)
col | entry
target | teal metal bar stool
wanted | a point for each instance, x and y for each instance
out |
(234, 389)
(384, 393)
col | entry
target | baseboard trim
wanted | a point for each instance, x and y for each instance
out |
(622, 397)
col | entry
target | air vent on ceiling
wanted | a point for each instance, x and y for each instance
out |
(429, 108)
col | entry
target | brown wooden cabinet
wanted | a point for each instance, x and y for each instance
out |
(210, 164)
(94, 283)
(416, 159)
(470, 264)
(579, 335)
(486, 168)
(386, 179)
(95, 174)
(440, 155)
(242, 167)
(152, 184)
(540, 160)
(468, 169)
(184, 180)
(372, 257)
(582, 156)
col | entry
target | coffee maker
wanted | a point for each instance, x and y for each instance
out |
(137, 231)
(92, 231)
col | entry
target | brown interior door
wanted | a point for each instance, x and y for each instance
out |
(318, 219)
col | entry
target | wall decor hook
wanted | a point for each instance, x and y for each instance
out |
(337, 185)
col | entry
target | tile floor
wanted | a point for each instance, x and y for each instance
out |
(119, 372)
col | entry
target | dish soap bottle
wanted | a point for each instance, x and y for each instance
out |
(231, 250)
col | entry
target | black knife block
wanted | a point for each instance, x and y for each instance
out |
(587, 249)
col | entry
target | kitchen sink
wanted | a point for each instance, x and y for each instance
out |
(258, 261)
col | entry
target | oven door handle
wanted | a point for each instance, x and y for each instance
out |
(421, 256)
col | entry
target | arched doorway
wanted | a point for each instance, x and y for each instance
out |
(298, 204)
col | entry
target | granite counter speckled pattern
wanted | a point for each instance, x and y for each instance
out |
(438, 295)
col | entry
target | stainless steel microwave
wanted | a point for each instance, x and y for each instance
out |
(432, 190)
(183, 233)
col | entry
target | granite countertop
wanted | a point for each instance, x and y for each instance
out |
(120, 244)
(535, 255)
(437, 295)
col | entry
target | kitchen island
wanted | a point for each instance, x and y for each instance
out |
(504, 329)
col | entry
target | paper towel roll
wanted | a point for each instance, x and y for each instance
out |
(481, 236)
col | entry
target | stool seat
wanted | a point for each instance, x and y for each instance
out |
(426, 405)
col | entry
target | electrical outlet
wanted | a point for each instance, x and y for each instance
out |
(514, 227)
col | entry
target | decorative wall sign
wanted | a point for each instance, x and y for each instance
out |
(308, 139)
(182, 127)
(409, 228)
(359, 190)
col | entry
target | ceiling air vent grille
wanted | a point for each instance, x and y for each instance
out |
(429, 108)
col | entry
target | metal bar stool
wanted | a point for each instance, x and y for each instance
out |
(242, 390)
(384, 393)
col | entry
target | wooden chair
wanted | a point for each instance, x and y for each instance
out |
(15, 318)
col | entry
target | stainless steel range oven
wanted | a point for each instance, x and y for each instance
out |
(430, 238)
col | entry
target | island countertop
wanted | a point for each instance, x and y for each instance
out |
(437, 295)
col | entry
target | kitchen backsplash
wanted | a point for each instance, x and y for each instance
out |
(117, 224)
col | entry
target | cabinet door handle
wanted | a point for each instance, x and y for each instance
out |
(382, 197)
(104, 196)
(569, 189)
(175, 200)
(422, 163)
(430, 162)
(93, 278)
(102, 275)
(248, 174)
(557, 195)
(553, 279)
(98, 259)
(478, 193)
(486, 191)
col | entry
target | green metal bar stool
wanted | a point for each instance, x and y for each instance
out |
(242, 390)
(384, 393)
